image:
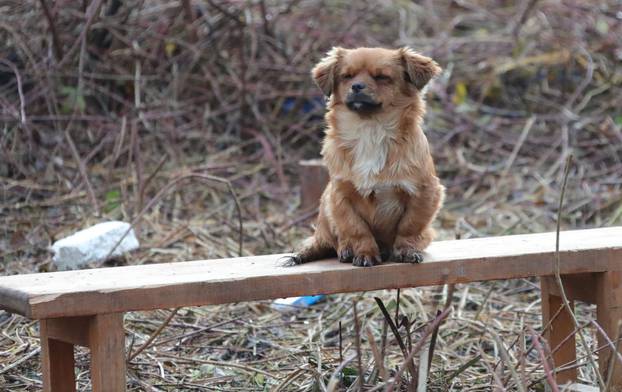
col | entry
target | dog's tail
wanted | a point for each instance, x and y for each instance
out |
(312, 249)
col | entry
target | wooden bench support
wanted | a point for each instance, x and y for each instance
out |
(603, 289)
(57, 364)
(608, 315)
(313, 180)
(560, 329)
(103, 334)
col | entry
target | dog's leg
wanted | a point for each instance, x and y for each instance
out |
(320, 245)
(355, 241)
(414, 233)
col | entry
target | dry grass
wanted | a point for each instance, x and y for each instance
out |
(95, 124)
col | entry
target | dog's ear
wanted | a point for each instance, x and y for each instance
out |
(325, 72)
(419, 69)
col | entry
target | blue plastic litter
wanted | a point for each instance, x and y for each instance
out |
(292, 303)
(308, 105)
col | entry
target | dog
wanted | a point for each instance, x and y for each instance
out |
(383, 192)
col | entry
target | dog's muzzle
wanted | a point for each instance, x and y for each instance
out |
(362, 103)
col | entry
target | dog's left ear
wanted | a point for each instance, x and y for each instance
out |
(419, 69)
(325, 72)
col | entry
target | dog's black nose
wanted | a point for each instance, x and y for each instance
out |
(356, 87)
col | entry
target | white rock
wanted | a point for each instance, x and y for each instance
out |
(93, 244)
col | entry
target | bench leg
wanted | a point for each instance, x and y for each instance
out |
(57, 362)
(107, 342)
(603, 289)
(561, 329)
(103, 334)
(609, 314)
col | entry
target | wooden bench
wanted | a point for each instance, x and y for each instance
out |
(86, 307)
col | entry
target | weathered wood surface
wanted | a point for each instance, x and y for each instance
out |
(119, 289)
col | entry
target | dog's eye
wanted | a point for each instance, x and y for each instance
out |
(382, 77)
(346, 77)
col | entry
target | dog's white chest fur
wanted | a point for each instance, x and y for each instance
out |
(369, 144)
(370, 150)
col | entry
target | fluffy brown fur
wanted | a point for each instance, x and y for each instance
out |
(383, 192)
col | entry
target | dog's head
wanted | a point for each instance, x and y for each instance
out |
(369, 80)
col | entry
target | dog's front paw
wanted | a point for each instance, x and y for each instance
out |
(407, 255)
(345, 254)
(363, 252)
(366, 260)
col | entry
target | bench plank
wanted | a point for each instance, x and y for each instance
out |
(210, 282)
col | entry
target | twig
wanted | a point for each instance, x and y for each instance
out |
(505, 356)
(614, 353)
(340, 344)
(493, 374)
(547, 370)
(91, 13)
(523, 17)
(397, 307)
(378, 359)
(518, 145)
(400, 342)
(85, 176)
(415, 350)
(558, 277)
(240, 366)
(20, 361)
(290, 377)
(147, 181)
(432, 345)
(193, 333)
(139, 189)
(464, 367)
(334, 378)
(153, 336)
(357, 344)
(20, 90)
(58, 49)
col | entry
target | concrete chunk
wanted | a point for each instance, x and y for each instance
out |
(93, 244)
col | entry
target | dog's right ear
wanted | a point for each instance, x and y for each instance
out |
(325, 72)
(419, 69)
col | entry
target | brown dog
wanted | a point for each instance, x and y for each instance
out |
(383, 192)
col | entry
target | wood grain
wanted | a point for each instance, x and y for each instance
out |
(206, 282)
(107, 342)
(73, 330)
